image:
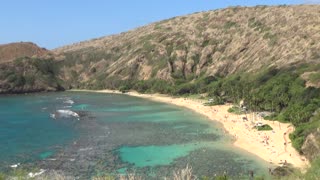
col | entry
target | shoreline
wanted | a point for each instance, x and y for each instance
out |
(276, 151)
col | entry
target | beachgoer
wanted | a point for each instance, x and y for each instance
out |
(285, 147)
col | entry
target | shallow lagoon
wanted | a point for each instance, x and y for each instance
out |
(115, 134)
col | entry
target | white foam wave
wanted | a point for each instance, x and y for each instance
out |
(69, 101)
(53, 116)
(32, 175)
(68, 113)
(85, 149)
(15, 165)
(64, 114)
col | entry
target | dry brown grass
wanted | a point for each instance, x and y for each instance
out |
(12, 51)
(226, 41)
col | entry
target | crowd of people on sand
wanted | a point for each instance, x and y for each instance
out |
(265, 138)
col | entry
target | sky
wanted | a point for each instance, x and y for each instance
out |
(52, 24)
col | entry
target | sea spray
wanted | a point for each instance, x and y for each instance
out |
(64, 114)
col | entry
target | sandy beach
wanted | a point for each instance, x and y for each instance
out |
(272, 146)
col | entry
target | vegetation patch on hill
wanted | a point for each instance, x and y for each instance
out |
(25, 75)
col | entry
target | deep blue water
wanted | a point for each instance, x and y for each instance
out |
(115, 133)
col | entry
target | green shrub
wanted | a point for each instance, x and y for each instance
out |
(271, 37)
(187, 88)
(178, 75)
(258, 25)
(314, 77)
(124, 88)
(142, 86)
(16, 80)
(93, 70)
(230, 24)
(314, 171)
(235, 110)
(2, 176)
(29, 79)
(221, 178)
(161, 86)
(264, 127)
(45, 66)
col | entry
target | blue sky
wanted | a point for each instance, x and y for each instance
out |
(51, 24)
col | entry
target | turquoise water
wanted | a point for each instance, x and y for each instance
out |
(114, 134)
(156, 155)
(26, 130)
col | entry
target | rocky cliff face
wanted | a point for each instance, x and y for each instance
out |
(221, 42)
(311, 146)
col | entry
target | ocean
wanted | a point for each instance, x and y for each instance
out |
(93, 134)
